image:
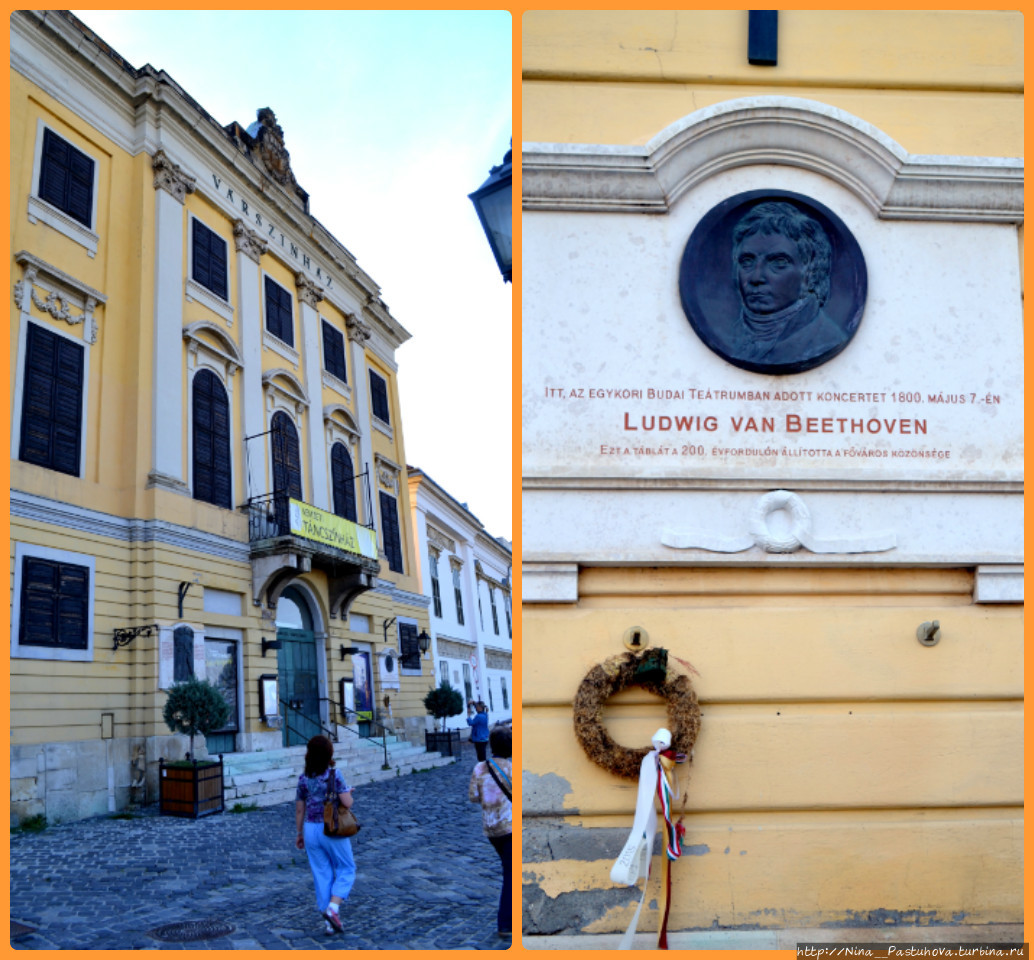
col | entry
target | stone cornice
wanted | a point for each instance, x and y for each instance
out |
(64, 291)
(788, 131)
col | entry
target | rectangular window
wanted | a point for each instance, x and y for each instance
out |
(334, 352)
(51, 422)
(436, 592)
(488, 686)
(443, 671)
(379, 397)
(390, 532)
(409, 647)
(506, 696)
(55, 604)
(279, 312)
(468, 687)
(509, 626)
(495, 616)
(66, 178)
(459, 595)
(209, 263)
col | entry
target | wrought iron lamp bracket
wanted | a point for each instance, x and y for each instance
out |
(126, 635)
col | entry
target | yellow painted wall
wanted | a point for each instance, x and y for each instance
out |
(842, 768)
(136, 582)
(844, 774)
(948, 82)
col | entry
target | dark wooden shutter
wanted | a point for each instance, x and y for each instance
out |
(342, 478)
(66, 178)
(287, 469)
(390, 531)
(410, 647)
(436, 589)
(459, 595)
(279, 312)
(51, 424)
(334, 352)
(379, 397)
(209, 259)
(212, 470)
(55, 604)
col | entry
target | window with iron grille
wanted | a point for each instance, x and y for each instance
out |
(66, 178)
(459, 595)
(211, 441)
(334, 352)
(379, 397)
(409, 647)
(436, 593)
(495, 617)
(52, 401)
(279, 312)
(208, 260)
(55, 604)
(390, 532)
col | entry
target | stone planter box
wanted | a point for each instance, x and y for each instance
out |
(445, 742)
(190, 789)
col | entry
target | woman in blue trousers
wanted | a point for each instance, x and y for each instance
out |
(330, 858)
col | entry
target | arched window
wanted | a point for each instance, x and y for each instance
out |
(287, 467)
(212, 474)
(342, 480)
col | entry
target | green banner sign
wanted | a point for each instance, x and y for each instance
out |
(315, 524)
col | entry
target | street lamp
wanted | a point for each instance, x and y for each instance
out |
(493, 201)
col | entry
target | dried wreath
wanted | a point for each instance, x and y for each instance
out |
(650, 670)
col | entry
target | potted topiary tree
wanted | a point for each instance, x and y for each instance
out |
(189, 788)
(441, 703)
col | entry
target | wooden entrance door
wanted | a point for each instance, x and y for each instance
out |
(299, 685)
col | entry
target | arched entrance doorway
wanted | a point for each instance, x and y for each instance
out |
(297, 667)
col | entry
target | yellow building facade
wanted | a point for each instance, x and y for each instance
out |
(207, 466)
(858, 770)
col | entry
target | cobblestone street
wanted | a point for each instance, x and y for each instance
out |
(427, 876)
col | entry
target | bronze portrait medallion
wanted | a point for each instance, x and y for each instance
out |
(773, 282)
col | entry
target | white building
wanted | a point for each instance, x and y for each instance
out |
(466, 572)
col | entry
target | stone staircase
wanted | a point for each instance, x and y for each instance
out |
(266, 777)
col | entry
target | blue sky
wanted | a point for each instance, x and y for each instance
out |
(391, 119)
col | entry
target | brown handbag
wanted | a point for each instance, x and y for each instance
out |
(338, 820)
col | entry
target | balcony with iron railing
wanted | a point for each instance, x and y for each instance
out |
(287, 537)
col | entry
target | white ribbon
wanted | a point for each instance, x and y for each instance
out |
(634, 859)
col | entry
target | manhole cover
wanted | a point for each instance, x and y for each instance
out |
(188, 930)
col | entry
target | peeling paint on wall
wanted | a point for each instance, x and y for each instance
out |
(545, 794)
(545, 839)
(571, 912)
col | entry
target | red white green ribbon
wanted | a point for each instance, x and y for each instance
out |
(634, 861)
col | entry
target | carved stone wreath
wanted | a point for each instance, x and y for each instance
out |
(651, 671)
